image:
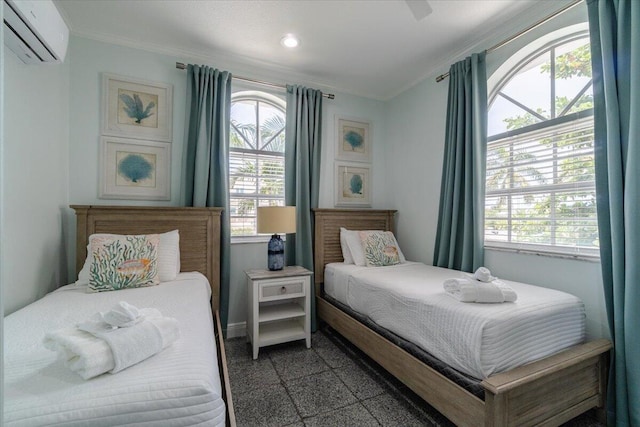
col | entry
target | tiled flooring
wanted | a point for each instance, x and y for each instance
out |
(331, 384)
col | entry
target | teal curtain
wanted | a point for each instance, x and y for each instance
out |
(615, 56)
(302, 174)
(460, 238)
(205, 180)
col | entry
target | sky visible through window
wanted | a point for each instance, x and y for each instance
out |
(532, 87)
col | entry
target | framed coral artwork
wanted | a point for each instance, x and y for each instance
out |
(353, 139)
(353, 184)
(136, 108)
(134, 169)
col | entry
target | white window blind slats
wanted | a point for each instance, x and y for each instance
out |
(540, 192)
(256, 162)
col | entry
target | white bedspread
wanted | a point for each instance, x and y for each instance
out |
(477, 339)
(179, 386)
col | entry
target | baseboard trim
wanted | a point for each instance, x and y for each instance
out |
(235, 330)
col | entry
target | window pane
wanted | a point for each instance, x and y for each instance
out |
(573, 74)
(243, 124)
(271, 128)
(242, 216)
(256, 162)
(531, 86)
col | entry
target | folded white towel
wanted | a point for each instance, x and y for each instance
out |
(96, 347)
(81, 352)
(470, 290)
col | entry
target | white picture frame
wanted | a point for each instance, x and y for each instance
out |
(353, 139)
(135, 108)
(352, 184)
(134, 169)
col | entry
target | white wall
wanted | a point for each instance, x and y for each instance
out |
(90, 58)
(1, 211)
(416, 130)
(36, 119)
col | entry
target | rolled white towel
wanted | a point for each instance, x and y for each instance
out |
(123, 315)
(95, 347)
(483, 274)
(469, 290)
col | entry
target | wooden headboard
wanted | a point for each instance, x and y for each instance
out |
(199, 230)
(327, 232)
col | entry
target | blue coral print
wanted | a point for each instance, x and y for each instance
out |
(135, 109)
(354, 139)
(355, 184)
(135, 168)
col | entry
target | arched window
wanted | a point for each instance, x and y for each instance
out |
(256, 158)
(540, 182)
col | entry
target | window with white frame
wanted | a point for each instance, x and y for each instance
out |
(256, 158)
(540, 179)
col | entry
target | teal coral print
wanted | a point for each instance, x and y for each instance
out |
(380, 248)
(137, 108)
(122, 262)
(135, 169)
(355, 184)
(354, 139)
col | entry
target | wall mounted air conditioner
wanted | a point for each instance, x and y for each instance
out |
(35, 31)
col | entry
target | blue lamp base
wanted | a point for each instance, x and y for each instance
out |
(275, 258)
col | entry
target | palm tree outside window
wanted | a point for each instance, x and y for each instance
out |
(540, 182)
(256, 158)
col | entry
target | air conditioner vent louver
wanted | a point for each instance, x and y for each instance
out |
(35, 31)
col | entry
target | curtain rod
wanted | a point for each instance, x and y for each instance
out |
(441, 77)
(181, 66)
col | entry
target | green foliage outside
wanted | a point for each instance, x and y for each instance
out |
(531, 221)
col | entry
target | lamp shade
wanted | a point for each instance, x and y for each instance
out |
(277, 219)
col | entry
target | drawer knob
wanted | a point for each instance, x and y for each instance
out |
(283, 290)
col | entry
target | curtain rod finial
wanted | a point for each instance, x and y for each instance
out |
(441, 77)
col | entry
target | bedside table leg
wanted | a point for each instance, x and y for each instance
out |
(255, 351)
(308, 340)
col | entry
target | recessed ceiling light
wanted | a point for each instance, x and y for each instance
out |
(290, 41)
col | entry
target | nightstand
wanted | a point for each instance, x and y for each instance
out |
(278, 308)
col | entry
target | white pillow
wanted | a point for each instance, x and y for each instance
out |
(355, 247)
(168, 258)
(346, 253)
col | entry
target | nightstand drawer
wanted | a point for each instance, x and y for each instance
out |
(282, 289)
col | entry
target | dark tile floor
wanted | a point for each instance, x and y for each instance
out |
(331, 384)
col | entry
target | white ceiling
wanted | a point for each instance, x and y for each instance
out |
(372, 48)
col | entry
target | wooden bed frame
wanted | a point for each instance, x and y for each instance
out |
(547, 392)
(199, 230)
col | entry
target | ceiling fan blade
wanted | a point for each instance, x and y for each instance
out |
(419, 8)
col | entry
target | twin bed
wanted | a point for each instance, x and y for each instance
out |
(185, 384)
(516, 364)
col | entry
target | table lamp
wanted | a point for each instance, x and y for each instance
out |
(276, 219)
